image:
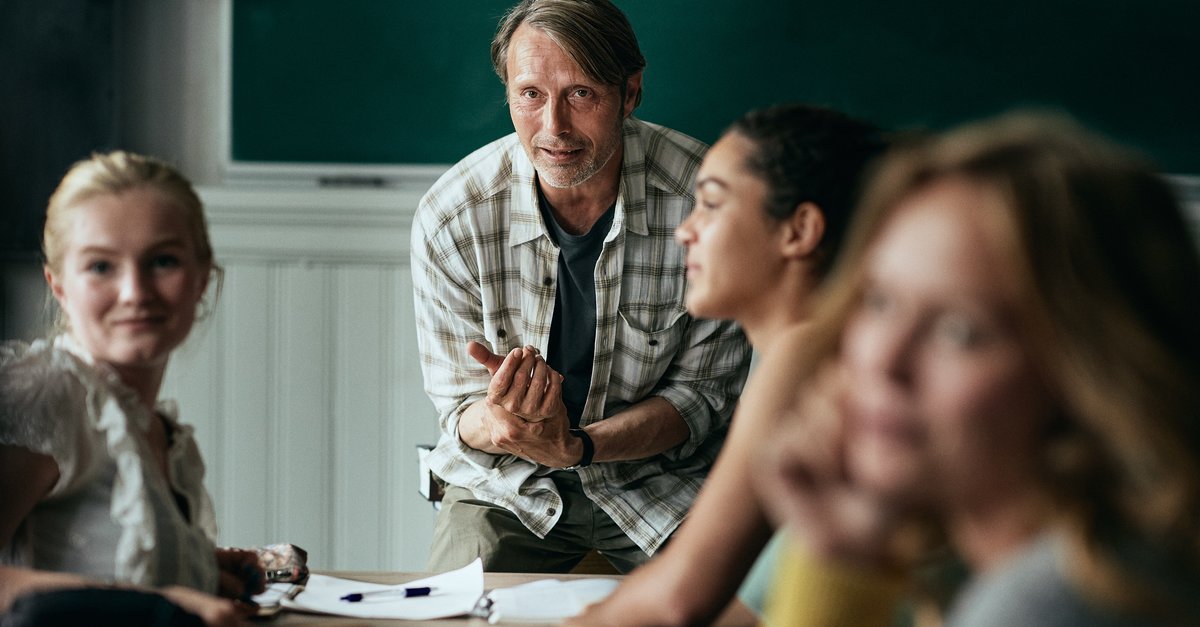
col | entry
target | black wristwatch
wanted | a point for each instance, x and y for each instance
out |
(589, 449)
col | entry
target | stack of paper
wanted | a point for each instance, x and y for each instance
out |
(546, 601)
(456, 593)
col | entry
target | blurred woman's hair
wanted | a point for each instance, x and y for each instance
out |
(1109, 312)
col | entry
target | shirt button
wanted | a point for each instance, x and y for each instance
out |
(654, 342)
(547, 281)
(550, 512)
(501, 333)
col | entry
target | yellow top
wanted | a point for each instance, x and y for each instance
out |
(811, 591)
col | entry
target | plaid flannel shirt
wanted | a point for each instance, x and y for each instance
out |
(485, 269)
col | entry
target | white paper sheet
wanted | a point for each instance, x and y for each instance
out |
(546, 600)
(456, 594)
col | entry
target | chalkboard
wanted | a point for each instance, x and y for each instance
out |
(390, 82)
(57, 70)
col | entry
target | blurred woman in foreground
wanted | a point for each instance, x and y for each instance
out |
(1011, 350)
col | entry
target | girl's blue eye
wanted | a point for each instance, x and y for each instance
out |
(99, 267)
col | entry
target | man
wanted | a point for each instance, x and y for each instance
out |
(558, 240)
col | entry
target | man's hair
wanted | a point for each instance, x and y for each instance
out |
(594, 33)
(808, 153)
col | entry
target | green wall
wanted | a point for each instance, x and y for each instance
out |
(387, 81)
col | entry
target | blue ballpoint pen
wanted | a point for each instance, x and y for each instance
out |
(422, 591)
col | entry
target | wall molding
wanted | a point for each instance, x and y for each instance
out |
(310, 225)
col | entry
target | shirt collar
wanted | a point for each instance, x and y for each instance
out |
(526, 221)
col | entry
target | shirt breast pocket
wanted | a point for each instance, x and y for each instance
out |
(646, 343)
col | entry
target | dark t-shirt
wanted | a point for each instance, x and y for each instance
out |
(573, 329)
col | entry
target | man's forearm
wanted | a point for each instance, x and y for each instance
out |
(642, 430)
(472, 431)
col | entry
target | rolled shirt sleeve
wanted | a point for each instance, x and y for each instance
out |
(484, 269)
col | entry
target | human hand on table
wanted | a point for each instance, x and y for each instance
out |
(240, 574)
(214, 611)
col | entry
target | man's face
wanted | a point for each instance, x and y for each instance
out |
(569, 124)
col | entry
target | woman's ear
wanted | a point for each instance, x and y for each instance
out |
(804, 230)
(205, 277)
(56, 287)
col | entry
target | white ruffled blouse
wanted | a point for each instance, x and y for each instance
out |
(111, 515)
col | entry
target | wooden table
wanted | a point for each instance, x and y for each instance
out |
(490, 581)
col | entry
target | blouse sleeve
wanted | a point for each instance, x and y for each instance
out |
(43, 407)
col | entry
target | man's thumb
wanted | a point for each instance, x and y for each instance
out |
(485, 357)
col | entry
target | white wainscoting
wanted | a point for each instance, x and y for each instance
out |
(305, 384)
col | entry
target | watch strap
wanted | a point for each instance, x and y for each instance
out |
(589, 449)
